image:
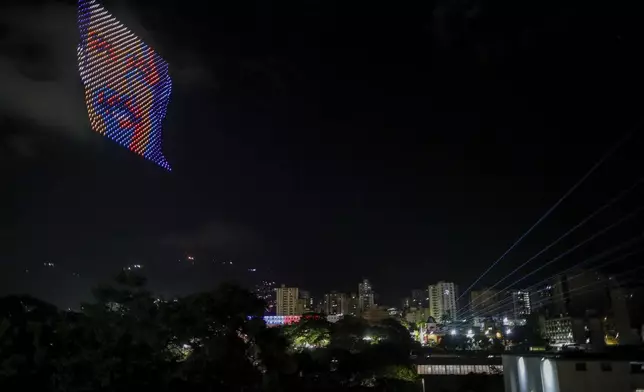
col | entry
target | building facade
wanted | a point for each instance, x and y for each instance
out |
(353, 303)
(442, 301)
(365, 296)
(306, 303)
(288, 301)
(419, 298)
(573, 372)
(521, 307)
(417, 315)
(564, 330)
(336, 303)
(265, 291)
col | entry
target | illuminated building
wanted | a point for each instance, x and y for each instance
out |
(127, 84)
(564, 330)
(336, 303)
(265, 290)
(442, 301)
(457, 368)
(521, 304)
(419, 298)
(281, 320)
(417, 315)
(272, 321)
(541, 299)
(570, 296)
(365, 296)
(287, 301)
(353, 303)
(306, 303)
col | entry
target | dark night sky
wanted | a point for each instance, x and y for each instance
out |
(321, 142)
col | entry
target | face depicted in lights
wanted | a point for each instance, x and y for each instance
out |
(127, 85)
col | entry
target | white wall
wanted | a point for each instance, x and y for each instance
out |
(542, 374)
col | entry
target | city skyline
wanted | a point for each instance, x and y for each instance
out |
(310, 196)
(403, 165)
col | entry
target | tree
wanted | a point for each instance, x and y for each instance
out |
(453, 342)
(348, 334)
(310, 332)
(529, 334)
(118, 342)
(446, 317)
(28, 343)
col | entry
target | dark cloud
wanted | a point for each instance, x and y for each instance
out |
(39, 71)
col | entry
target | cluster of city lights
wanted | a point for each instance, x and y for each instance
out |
(132, 267)
(127, 85)
(281, 320)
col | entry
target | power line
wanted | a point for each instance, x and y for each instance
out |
(583, 262)
(506, 301)
(614, 200)
(599, 233)
(570, 250)
(589, 260)
(547, 213)
(548, 299)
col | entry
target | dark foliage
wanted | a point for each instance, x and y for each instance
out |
(127, 340)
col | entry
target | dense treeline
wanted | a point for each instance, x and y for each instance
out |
(129, 340)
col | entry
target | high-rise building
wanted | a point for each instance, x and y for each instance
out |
(521, 304)
(265, 290)
(580, 293)
(287, 301)
(442, 301)
(336, 303)
(365, 296)
(483, 303)
(419, 298)
(541, 300)
(353, 303)
(306, 304)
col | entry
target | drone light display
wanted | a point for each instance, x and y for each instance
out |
(127, 85)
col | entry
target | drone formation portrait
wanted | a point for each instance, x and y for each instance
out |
(127, 84)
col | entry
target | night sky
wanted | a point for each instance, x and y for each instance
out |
(321, 142)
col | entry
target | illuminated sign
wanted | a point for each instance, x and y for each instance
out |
(127, 85)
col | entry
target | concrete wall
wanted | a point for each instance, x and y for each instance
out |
(523, 374)
(543, 374)
(594, 379)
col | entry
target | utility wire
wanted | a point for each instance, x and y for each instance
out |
(583, 262)
(548, 299)
(614, 200)
(577, 246)
(599, 233)
(506, 301)
(547, 213)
